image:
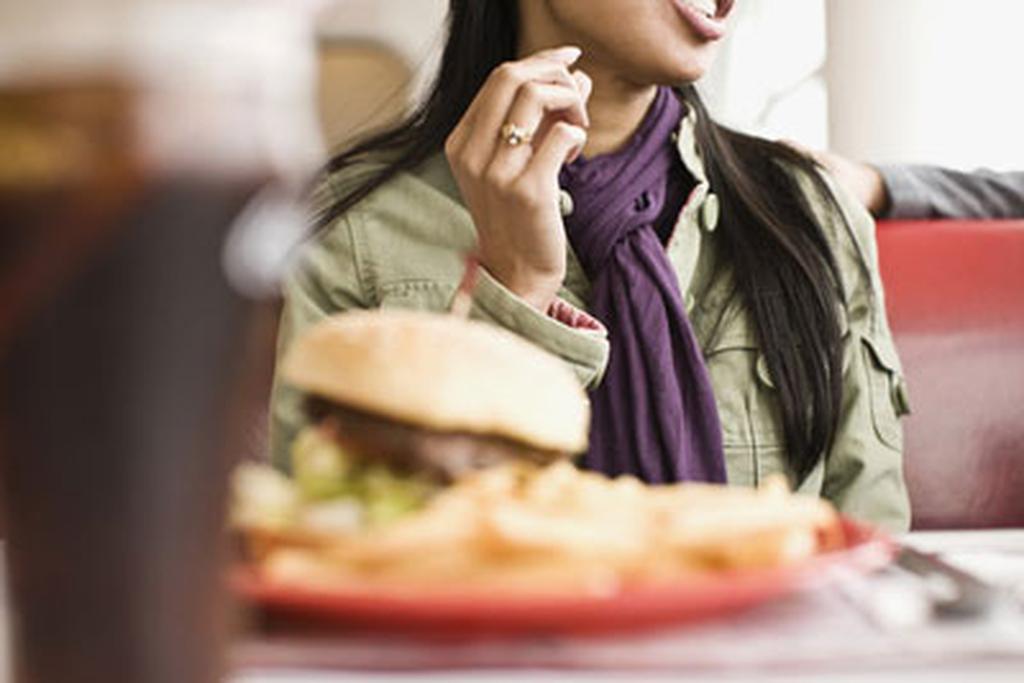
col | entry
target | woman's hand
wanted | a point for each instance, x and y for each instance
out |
(512, 189)
(861, 180)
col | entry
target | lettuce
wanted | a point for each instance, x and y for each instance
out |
(320, 466)
(387, 497)
(324, 472)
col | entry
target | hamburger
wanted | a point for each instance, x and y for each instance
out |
(402, 404)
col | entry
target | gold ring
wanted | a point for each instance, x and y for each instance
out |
(514, 135)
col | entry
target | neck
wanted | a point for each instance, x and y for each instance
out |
(616, 109)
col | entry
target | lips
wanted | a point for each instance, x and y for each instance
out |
(705, 17)
(713, 9)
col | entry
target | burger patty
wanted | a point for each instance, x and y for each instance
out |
(409, 449)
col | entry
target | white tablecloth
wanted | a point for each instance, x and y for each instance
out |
(825, 634)
(819, 635)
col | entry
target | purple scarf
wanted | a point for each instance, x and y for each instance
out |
(654, 415)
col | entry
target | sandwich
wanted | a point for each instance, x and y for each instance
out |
(401, 405)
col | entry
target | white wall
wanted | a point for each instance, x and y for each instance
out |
(928, 80)
(907, 80)
(768, 76)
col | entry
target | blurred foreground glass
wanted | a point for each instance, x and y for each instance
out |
(132, 136)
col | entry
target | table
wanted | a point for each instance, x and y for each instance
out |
(818, 635)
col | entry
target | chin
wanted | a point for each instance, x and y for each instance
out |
(683, 73)
(682, 66)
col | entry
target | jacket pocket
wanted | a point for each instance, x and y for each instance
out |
(888, 394)
(747, 401)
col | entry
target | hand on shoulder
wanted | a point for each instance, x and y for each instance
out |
(863, 181)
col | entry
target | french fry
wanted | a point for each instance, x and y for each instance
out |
(530, 529)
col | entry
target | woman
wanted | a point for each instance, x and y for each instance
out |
(734, 323)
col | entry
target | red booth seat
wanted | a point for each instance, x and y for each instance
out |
(955, 296)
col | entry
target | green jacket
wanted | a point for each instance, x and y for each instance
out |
(403, 247)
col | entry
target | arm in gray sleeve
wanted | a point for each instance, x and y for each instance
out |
(931, 192)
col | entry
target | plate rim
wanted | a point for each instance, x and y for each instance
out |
(866, 548)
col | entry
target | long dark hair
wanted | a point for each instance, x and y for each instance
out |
(784, 266)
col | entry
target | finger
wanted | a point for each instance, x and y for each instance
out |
(586, 87)
(526, 109)
(584, 83)
(489, 109)
(560, 145)
(568, 54)
(492, 103)
(550, 66)
(534, 103)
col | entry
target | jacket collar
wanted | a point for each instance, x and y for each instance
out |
(686, 143)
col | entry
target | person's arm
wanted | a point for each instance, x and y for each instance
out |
(327, 280)
(932, 192)
(925, 192)
(863, 182)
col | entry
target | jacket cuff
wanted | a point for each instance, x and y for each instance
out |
(907, 200)
(566, 331)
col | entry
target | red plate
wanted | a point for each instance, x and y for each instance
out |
(451, 612)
